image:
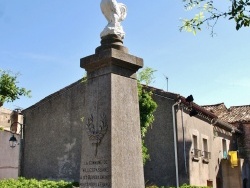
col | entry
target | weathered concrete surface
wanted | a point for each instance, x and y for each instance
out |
(111, 149)
(160, 169)
(9, 157)
(52, 138)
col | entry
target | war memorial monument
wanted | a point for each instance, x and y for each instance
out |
(111, 154)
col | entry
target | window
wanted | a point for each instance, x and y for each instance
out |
(206, 155)
(196, 152)
(224, 149)
(195, 142)
(205, 147)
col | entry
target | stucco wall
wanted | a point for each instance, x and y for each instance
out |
(199, 172)
(9, 157)
(53, 135)
(160, 170)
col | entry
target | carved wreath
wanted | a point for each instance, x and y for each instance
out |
(96, 133)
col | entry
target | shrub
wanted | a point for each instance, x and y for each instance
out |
(33, 183)
(183, 186)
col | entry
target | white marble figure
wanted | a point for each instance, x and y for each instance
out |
(115, 13)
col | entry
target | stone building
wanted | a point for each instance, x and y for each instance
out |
(5, 118)
(203, 144)
(239, 116)
(52, 141)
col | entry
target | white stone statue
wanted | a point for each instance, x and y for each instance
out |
(115, 13)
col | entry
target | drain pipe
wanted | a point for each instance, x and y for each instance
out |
(175, 144)
(184, 141)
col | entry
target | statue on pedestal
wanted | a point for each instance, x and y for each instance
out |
(114, 13)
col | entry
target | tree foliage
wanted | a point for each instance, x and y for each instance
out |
(9, 90)
(147, 106)
(237, 11)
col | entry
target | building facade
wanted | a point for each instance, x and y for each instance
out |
(52, 141)
(239, 116)
(9, 156)
(203, 144)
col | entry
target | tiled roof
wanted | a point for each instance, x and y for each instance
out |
(218, 109)
(239, 114)
(233, 114)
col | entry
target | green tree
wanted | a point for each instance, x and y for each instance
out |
(207, 13)
(147, 106)
(9, 90)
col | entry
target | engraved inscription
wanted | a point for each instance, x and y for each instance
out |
(95, 173)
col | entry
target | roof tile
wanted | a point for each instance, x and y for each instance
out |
(234, 114)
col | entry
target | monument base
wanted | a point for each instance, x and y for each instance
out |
(111, 147)
(111, 41)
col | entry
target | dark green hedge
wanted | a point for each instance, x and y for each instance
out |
(33, 183)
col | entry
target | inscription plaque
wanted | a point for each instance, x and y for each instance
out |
(95, 173)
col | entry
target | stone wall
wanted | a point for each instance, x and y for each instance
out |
(245, 141)
(244, 152)
(160, 169)
(52, 137)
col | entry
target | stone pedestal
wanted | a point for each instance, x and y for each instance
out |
(111, 146)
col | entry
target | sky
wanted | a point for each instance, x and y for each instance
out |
(43, 41)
